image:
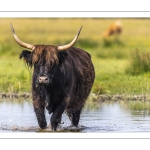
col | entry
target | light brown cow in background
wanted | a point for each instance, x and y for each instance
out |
(114, 29)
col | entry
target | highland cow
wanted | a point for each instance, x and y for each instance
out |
(61, 82)
(114, 29)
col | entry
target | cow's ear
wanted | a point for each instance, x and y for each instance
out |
(26, 55)
(62, 56)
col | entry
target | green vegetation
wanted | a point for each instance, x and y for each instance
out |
(140, 63)
(14, 77)
(120, 69)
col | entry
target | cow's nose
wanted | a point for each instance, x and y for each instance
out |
(43, 80)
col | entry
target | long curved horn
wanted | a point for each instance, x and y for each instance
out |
(29, 46)
(64, 47)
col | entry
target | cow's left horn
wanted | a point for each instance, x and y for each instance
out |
(29, 46)
(64, 47)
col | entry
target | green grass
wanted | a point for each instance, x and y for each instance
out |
(112, 78)
(111, 57)
(139, 63)
(14, 77)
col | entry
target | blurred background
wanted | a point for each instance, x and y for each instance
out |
(119, 47)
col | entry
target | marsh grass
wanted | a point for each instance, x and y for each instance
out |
(139, 63)
(92, 103)
(112, 42)
(14, 77)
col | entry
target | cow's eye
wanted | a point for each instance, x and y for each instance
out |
(50, 64)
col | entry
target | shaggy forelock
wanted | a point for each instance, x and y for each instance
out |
(45, 53)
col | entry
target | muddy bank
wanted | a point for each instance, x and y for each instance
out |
(104, 97)
(15, 95)
(92, 97)
(124, 97)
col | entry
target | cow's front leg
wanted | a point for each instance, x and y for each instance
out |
(56, 116)
(39, 106)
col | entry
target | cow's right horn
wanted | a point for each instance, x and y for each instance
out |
(64, 47)
(29, 46)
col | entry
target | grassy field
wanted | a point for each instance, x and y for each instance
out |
(111, 58)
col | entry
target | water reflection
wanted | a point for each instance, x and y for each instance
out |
(136, 107)
(97, 116)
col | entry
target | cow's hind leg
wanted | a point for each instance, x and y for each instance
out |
(74, 116)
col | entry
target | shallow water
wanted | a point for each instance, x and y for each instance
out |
(122, 116)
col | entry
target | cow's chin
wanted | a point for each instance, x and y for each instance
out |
(42, 84)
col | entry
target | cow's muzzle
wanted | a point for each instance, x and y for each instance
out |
(42, 80)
